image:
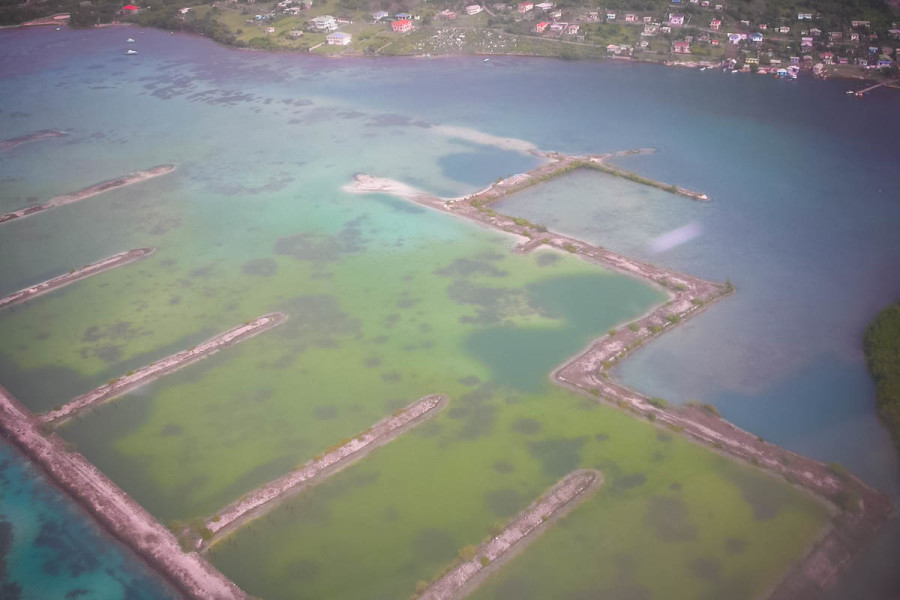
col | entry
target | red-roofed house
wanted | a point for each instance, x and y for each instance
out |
(681, 47)
(130, 7)
(402, 25)
(540, 27)
(715, 24)
(524, 7)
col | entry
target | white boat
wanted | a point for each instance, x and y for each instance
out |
(129, 51)
(130, 40)
(486, 60)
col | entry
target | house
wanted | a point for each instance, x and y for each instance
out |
(775, 62)
(665, 29)
(610, 16)
(843, 61)
(885, 61)
(681, 47)
(631, 18)
(270, 30)
(473, 9)
(129, 9)
(756, 38)
(859, 24)
(381, 14)
(835, 35)
(402, 25)
(763, 26)
(544, 6)
(344, 21)
(447, 14)
(854, 37)
(745, 23)
(614, 48)
(827, 58)
(784, 30)
(572, 29)
(647, 19)
(556, 14)
(719, 7)
(815, 32)
(593, 16)
(524, 7)
(676, 20)
(806, 42)
(651, 29)
(704, 4)
(541, 27)
(804, 16)
(295, 33)
(403, 16)
(338, 38)
(557, 26)
(184, 11)
(873, 50)
(735, 38)
(751, 60)
(795, 60)
(324, 23)
(715, 24)
(714, 42)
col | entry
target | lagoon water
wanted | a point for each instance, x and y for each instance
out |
(803, 222)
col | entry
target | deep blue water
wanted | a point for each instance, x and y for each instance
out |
(804, 180)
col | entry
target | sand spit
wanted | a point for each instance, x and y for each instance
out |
(114, 509)
(37, 136)
(117, 387)
(859, 511)
(314, 471)
(465, 576)
(486, 139)
(116, 260)
(130, 179)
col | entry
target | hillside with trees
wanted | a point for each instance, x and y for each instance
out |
(882, 347)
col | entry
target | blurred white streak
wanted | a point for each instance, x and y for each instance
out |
(674, 238)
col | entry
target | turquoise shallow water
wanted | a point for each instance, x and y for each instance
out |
(803, 220)
(51, 549)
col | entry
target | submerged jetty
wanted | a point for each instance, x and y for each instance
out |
(124, 518)
(859, 510)
(116, 260)
(465, 576)
(117, 387)
(130, 179)
(314, 471)
(37, 136)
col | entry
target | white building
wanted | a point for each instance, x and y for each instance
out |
(324, 23)
(473, 9)
(338, 38)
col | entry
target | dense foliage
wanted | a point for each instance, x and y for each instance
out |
(882, 347)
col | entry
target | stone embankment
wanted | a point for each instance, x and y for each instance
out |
(859, 509)
(522, 530)
(116, 260)
(114, 509)
(130, 179)
(37, 136)
(117, 387)
(314, 471)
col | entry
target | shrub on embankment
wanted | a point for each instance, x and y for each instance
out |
(882, 346)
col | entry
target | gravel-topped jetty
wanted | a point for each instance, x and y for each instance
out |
(859, 510)
(469, 572)
(130, 179)
(314, 471)
(117, 387)
(114, 509)
(116, 260)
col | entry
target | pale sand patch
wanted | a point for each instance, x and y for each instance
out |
(485, 139)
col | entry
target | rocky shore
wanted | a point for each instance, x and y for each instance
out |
(117, 387)
(130, 179)
(264, 498)
(116, 260)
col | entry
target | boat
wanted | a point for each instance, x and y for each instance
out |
(130, 51)
(486, 60)
(130, 40)
(850, 92)
(58, 28)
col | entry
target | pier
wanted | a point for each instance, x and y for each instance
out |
(261, 500)
(865, 91)
(116, 260)
(130, 179)
(117, 387)
(469, 572)
(119, 514)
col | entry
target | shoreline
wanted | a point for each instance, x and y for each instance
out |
(94, 190)
(268, 496)
(118, 513)
(859, 510)
(466, 575)
(95, 268)
(115, 388)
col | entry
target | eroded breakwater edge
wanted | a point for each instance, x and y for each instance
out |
(130, 381)
(105, 186)
(563, 497)
(344, 454)
(859, 509)
(116, 260)
(112, 507)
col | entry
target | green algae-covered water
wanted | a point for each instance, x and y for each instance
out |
(386, 301)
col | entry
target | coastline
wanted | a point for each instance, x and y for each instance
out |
(859, 510)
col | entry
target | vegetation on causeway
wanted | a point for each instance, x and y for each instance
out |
(882, 347)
